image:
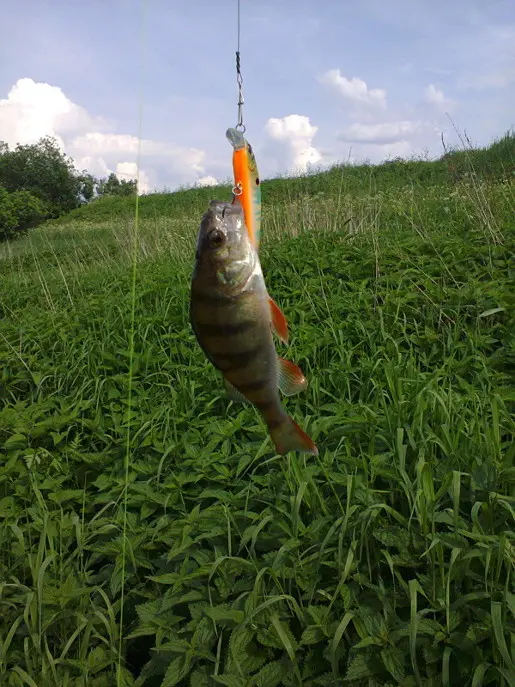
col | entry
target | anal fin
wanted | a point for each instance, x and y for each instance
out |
(233, 393)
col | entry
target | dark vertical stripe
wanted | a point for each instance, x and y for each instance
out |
(211, 297)
(263, 406)
(274, 424)
(238, 360)
(227, 329)
(258, 385)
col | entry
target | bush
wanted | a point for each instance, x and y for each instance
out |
(19, 211)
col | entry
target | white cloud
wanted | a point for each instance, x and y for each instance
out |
(128, 171)
(97, 143)
(96, 166)
(354, 89)
(31, 111)
(292, 138)
(35, 109)
(386, 132)
(435, 96)
(207, 181)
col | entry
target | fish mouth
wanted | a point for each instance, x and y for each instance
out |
(236, 138)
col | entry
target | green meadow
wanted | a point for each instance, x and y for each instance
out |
(149, 534)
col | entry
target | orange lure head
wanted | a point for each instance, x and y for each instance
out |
(247, 184)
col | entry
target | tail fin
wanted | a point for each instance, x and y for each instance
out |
(288, 436)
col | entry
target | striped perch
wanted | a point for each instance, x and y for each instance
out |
(233, 317)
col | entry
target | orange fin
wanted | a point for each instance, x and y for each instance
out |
(290, 379)
(290, 437)
(279, 323)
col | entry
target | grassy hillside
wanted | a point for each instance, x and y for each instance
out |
(494, 163)
(387, 560)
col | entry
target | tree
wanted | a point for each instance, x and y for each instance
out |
(43, 170)
(112, 186)
(38, 182)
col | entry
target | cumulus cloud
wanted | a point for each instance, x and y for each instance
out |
(355, 90)
(35, 109)
(97, 143)
(379, 141)
(385, 132)
(128, 171)
(208, 180)
(435, 96)
(96, 166)
(292, 138)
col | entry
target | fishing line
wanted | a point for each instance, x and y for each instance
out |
(134, 256)
(239, 78)
(237, 190)
(241, 126)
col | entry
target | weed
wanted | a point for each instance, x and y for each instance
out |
(387, 560)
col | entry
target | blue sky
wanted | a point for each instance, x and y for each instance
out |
(324, 80)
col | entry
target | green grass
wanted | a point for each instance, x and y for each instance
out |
(493, 163)
(388, 560)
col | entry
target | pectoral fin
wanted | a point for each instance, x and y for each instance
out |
(279, 323)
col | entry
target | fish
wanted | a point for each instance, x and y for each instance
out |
(231, 317)
(247, 192)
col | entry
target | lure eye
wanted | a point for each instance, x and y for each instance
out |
(216, 238)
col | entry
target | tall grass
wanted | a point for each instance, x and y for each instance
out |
(388, 560)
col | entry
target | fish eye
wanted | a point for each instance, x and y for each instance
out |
(216, 238)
